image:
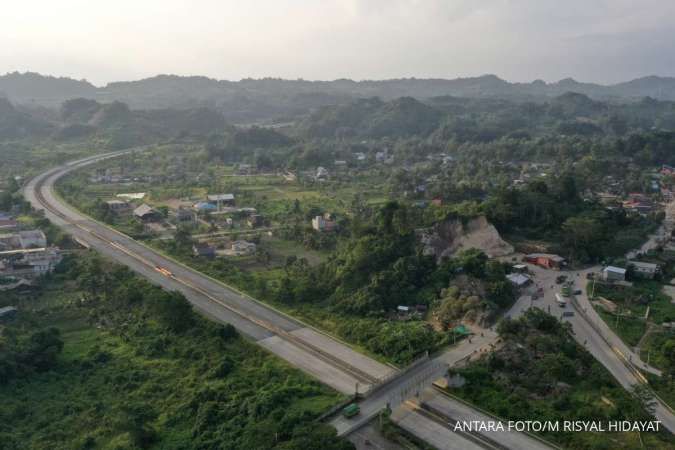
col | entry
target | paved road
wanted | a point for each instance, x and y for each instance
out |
(592, 332)
(327, 359)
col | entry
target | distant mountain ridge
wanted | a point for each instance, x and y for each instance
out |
(272, 98)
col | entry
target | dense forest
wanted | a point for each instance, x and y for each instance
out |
(101, 359)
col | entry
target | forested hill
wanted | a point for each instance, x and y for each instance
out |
(252, 100)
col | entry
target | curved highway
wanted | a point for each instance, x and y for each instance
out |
(328, 360)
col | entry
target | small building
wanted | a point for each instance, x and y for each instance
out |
(519, 268)
(118, 207)
(205, 207)
(244, 169)
(254, 220)
(518, 279)
(644, 269)
(321, 173)
(147, 214)
(243, 248)
(220, 200)
(613, 273)
(547, 260)
(8, 312)
(324, 223)
(184, 216)
(32, 239)
(7, 223)
(203, 249)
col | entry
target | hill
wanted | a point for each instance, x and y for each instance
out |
(255, 100)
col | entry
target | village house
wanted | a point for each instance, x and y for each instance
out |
(518, 279)
(547, 260)
(243, 248)
(321, 173)
(644, 269)
(203, 249)
(613, 273)
(220, 200)
(118, 207)
(324, 223)
(7, 222)
(254, 220)
(147, 214)
(184, 216)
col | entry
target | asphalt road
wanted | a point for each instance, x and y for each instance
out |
(590, 331)
(327, 359)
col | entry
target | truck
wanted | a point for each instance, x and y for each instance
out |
(560, 300)
(566, 290)
(351, 410)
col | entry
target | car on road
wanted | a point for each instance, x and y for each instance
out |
(577, 292)
(568, 314)
(560, 300)
(560, 279)
(351, 410)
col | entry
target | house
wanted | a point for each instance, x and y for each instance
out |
(254, 220)
(667, 170)
(437, 201)
(644, 269)
(243, 248)
(321, 173)
(547, 260)
(518, 279)
(8, 312)
(244, 169)
(340, 164)
(147, 214)
(118, 206)
(7, 222)
(360, 156)
(28, 263)
(519, 268)
(32, 239)
(324, 223)
(203, 249)
(220, 200)
(184, 216)
(205, 207)
(613, 273)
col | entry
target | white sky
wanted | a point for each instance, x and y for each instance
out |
(519, 40)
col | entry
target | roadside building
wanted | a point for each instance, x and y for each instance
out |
(243, 248)
(147, 214)
(28, 263)
(184, 216)
(644, 269)
(220, 200)
(7, 222)
(32, 239)
(203, 249)
(519, 268)
(518, 279)
(118, 207)
(613, 273)
(547, 260)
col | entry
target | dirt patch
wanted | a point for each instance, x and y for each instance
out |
(452, 236)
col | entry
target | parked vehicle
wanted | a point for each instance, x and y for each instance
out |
(577, 292)
(568, 314)
(560, 279)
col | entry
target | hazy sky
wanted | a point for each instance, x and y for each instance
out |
(519, 40)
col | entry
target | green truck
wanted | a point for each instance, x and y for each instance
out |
(566, 291)
(351, 410)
